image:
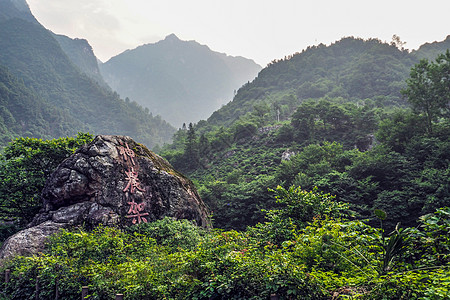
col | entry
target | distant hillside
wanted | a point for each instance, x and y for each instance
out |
(352, 69)
(33, 56)
(431, 50)
(81, 54)
(182, 81)
(24, 113)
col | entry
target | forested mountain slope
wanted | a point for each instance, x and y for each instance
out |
(431, 50)
(182, 81)
(330, 117)
(32, 54)
(81, 54)
(352, 69)
(24, 113)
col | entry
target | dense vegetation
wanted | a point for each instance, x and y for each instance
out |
(35, 69)
(326, 140)
(328, 177)
(302, 251)
(370, 221)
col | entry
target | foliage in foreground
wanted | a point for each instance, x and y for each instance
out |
(321, 258)
(25, 165)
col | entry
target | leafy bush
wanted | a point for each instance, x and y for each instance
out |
(296, 208)
(175, 234)
(414, 284)
(327, 258)
(25, 165)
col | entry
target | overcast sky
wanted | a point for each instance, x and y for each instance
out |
(262, 30)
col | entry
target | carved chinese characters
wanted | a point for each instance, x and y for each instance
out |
(135, 212)
(136, 209)
(133, 181)
(127, 153)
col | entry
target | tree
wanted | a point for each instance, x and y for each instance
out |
(26, 163)
(397, 42)
(303, 121)
(244, 130)
(428, 88)
(398, 130)
(191, 152)
(203, 145)
(295, 209)
(260, 111)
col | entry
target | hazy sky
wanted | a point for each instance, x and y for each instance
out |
(262, 30)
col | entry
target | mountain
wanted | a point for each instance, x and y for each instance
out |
(431, 50)
(182, 81)
(351, 69)
(32, 55)
(81, 54)
(310, 120)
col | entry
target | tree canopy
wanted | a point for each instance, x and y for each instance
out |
(26, 163)
(428, 88)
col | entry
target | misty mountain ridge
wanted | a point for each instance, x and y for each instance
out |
(351, 69)
(59, 83)
(183, 81)
(81, 54)
(16, 9)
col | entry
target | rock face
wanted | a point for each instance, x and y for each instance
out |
(287, 154)
(113, 181)
(30, 240)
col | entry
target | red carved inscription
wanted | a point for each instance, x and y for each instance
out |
(133, 181)
(135, 212)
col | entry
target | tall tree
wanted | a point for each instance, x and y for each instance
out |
(191, 151)
(428, 88)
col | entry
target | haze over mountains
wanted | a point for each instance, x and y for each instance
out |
(45, 94)
(182, 81)
(52, 85)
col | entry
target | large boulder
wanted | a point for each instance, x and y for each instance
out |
(112, 181)
(29, 241)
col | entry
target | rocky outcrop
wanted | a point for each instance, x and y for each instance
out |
(112, 181)
(287, 154)
(29, 241)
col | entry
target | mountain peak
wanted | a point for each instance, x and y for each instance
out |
(171, 37)
(173, 73)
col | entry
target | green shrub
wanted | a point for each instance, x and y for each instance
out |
(169, 259)
(175, 234)
(296, 208)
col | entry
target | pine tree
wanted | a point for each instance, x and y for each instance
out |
(191, 151)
